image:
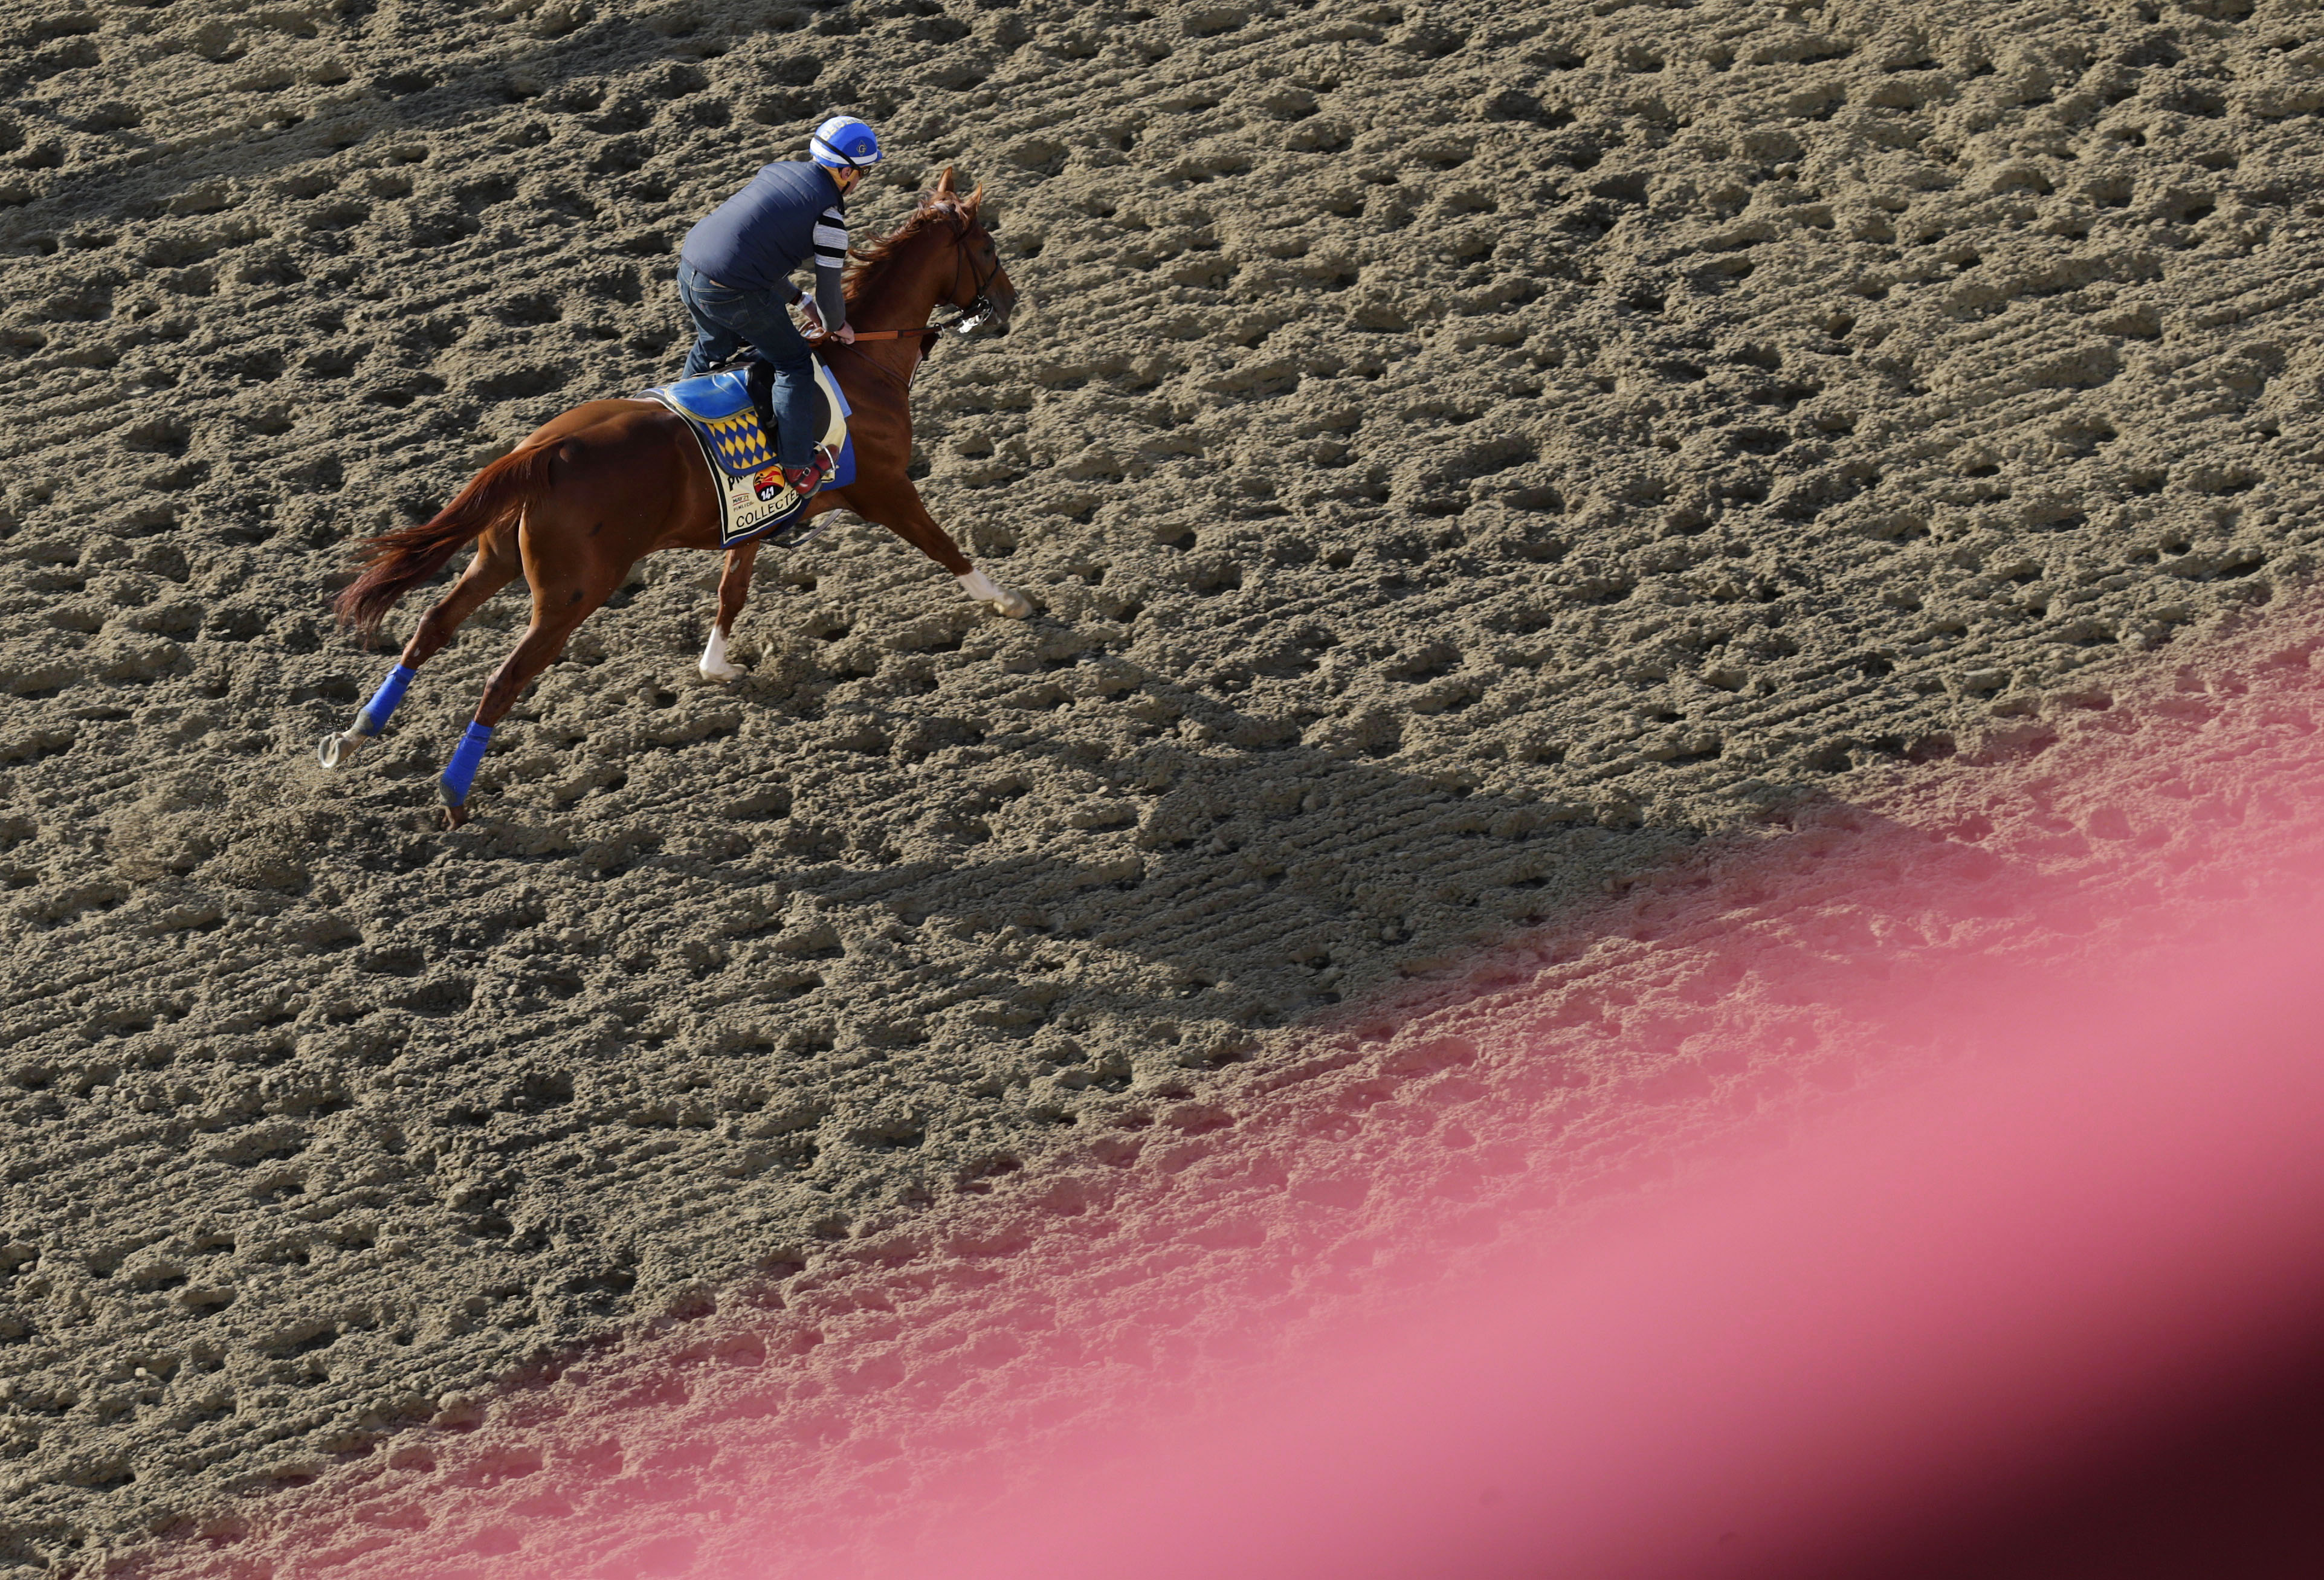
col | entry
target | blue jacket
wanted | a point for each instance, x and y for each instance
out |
(753, 241)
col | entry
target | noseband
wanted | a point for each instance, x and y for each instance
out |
(980, 307)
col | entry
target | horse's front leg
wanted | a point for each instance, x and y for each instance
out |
(1003, 598)
(898, 508)
(734, 587)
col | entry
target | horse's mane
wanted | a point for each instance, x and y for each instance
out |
(867, 265)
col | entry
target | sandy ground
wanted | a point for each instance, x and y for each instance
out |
(1469, 459)
(853, 1413)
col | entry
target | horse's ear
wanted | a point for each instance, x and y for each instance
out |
(944, 183)
(970, 203)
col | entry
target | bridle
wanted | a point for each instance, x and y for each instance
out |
(980, 307)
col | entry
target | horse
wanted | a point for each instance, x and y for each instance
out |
(593, 491)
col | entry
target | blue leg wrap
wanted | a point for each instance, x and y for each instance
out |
(461, 771)
(374, 714)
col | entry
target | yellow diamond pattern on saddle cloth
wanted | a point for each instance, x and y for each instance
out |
(742, 442)
(735, 449)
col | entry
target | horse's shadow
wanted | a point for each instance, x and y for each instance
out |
(1268, 887)
(1229, 890)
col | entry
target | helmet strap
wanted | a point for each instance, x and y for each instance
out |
(815, 142)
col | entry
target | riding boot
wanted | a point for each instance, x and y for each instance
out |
(808, 480)
(759, 378)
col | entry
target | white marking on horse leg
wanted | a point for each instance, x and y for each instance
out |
(339, 751)
(714, 665)
(985, 590)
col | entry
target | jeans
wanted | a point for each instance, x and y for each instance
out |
(726, 323)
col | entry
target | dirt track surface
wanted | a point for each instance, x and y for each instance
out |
(859, 1414)
(1466, 456)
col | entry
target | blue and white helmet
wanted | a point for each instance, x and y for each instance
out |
(843, 142)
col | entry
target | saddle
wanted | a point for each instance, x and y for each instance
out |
(731, 415)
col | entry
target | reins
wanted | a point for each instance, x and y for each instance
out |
(902, 381)
(980, 308)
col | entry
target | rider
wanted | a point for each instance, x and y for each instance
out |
(734, 274)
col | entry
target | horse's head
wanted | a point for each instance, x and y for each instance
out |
(942, 254)
(980, 282)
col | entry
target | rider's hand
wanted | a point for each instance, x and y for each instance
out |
(811, 319)
(847, 334)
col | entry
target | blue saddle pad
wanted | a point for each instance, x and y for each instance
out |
(753, 500)
(723, 410)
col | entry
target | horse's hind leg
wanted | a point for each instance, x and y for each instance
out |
(562, 598)
(734, 587)
(495, 565)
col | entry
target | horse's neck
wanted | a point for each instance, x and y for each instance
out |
(902, 298)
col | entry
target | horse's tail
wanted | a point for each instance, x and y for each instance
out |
(397, 561)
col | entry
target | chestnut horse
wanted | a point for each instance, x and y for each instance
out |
(592, 491)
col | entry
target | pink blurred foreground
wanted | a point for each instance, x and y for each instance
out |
(2043, 1296)
(2006, 1322)
(2057, 1310)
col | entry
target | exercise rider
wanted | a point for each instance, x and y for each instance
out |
(734, 276)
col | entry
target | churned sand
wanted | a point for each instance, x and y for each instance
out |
(1480, 467)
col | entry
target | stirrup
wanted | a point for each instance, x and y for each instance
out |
(808, 480)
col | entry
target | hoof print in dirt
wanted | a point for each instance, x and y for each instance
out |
(1466, 462)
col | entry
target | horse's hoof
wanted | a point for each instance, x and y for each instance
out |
(712, 663)
(337, 751)
(453, 816)
(1013, 604)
